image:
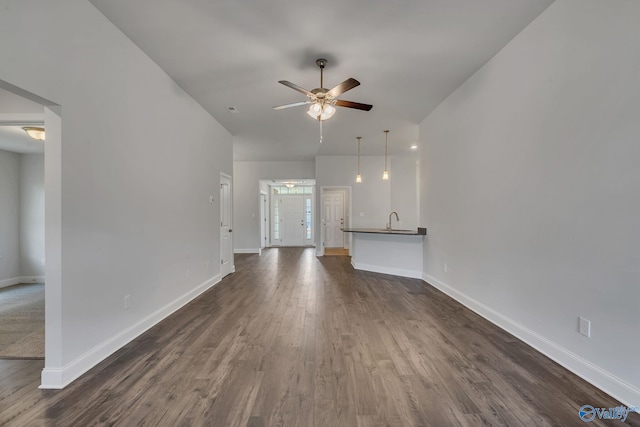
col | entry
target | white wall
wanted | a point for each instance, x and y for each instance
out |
(9, 217)
(138, 159)
(373, 197)
(32, 215)
(11, 103)
(246, 196)
(21, 218)
(530, 189)
(404, 191)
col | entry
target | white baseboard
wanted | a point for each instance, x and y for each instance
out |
(247, 251)
(414, 274)
(9, 282)
(60, 377)
(32, 279)
(4, 283)
(626, 393)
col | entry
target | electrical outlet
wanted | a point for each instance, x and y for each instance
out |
(445, 267)
(584, 327)
(127, 302)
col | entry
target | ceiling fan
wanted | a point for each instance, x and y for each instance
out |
(323, 101)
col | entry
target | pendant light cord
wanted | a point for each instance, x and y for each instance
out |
(359, 138)
(386, 142)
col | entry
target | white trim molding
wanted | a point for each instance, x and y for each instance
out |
(413, 274)
(60, 377)
(32, 279)
(4, 283)
(9, 282)
(247, 251)
(616, 387)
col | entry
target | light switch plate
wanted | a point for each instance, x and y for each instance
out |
(584, 327)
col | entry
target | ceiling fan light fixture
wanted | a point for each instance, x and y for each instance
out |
(327, 112)
(324, 101)
(322, 112)
(36, 133)
(314, 110)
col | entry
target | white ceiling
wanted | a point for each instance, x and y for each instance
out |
(13, 138)
(16, 112)
(408, 55)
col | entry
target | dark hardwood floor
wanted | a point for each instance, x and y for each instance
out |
(295, 340)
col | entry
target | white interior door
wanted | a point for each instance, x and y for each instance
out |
(264, 225)
(292, 221)
(333, 218)
(226, 242)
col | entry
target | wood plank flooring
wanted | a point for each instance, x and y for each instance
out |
(336, 252)
(295, 340)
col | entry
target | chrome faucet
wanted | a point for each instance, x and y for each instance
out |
(397, 219)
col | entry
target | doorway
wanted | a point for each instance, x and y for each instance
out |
(226, 241)
(335, 216)
(292, 215)
(264, 224)
(23, 219)
(51, 117)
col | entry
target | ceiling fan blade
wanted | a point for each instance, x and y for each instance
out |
(351, 104)
(295, 104)
(343, 87)
(296, 87)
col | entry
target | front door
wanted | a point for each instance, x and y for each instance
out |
(292, 221)
(226, 242)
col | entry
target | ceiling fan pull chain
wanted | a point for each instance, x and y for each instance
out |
(320, 129)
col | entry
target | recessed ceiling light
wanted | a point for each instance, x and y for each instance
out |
(414, 146)
(232, 109)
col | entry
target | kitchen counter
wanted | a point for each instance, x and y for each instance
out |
(419, 232)
(397, 252)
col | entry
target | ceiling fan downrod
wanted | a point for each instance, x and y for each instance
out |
(321, 62)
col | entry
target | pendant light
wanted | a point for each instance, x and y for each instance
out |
(358, 176)
(385, 173)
